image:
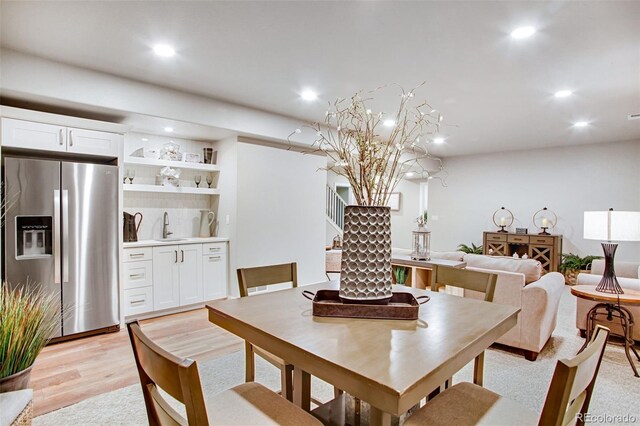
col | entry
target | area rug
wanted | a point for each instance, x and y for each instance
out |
(617, 391)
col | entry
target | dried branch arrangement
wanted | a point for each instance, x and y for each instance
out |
(374, 150)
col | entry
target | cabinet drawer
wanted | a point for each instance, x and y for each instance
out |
(496, 237)
(138, 274)
(522, 239)
(135, 254)
(535, 239)
(212, 248)
(138, 301)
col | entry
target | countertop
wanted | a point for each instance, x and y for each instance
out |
(175, 241)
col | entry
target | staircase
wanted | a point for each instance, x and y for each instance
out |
(335, 209)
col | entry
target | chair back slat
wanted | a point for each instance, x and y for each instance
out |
(483, 282)
(267, 275)
(178, 377)
(573, 381)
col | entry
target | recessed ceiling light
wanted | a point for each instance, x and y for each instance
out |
(409, 174)
(523, 32)
(164, 50)
(168, 129)
(309, 95)
(438, 140)
(581, 124)
(144, 139)
(563, 93)
(389, 123)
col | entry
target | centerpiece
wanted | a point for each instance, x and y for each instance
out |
(373, 151)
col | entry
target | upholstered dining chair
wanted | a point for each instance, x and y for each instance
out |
(258, 277)
(483, 282)
(567, 400)
(249, 403)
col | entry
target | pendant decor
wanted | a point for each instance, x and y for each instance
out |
(365, 273)
(373, 150)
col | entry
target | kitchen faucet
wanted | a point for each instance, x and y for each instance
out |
(165, 224)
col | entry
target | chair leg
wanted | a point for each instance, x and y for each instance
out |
(250, 363)
(337, 392)
(530, 355)
(478, 369)
(286, 381)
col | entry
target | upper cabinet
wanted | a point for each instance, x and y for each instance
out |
(49, 137)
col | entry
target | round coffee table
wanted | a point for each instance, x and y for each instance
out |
(609, 306)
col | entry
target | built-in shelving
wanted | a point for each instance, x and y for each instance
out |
(154, 162)
(170, 189)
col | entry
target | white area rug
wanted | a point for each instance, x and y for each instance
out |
(617, 391)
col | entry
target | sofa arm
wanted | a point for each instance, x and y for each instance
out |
(625, 283)
(540, 301)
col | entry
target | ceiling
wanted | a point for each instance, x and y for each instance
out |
(495, 93)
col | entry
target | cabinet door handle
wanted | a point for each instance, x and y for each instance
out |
(136, 254)
(182, 255)
(176, 253)
(136, 275)
(214, 248)
(60, 140)
(133, 302)
(214, 257)
(70, 137)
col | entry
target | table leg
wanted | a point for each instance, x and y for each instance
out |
(249, 374)
(378, 417)
(627, 319)
(302, 389)
(478, 369)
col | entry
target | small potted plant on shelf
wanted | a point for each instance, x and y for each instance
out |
(28, 320)
(572, 265)
(473, 249)
(400, 274)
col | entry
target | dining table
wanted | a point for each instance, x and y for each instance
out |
(389, 364)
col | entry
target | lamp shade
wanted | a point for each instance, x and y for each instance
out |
(612, 226)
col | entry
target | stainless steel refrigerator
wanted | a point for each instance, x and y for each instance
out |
(62, 234)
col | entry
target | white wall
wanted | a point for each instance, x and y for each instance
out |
(568, 180)
(402, 221)
(281, 210)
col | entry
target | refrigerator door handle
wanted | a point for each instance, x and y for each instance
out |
(65, 236)
(56, 236)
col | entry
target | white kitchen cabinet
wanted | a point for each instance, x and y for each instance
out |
(138, 301)
(166, 277)
(49, 137)
(190, 266)
(138, 274)
(214, 275)
(30, 135)
(92, 142)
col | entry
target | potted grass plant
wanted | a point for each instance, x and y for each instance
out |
(28, 320)
(472, 249)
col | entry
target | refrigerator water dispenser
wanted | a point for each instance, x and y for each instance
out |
(34, 237)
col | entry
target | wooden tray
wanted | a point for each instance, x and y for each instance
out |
(402, 306)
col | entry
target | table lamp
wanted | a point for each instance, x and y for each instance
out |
(611, 226)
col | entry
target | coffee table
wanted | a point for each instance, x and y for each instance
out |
(610, 306)
(391, 364)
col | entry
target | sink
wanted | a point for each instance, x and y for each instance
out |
(168, 240)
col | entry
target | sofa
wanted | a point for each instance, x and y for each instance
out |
(521, 283)
(628, 278)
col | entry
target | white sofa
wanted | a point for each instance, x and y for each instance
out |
(521, 284)
(627, 274)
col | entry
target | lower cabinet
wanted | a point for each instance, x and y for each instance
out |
(173, 276)
(214, 275)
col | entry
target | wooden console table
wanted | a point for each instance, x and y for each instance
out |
(420, 270)
(547, 249)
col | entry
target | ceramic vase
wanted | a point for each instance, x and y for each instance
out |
(365, 273)
(17, 381)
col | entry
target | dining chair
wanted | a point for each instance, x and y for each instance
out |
(483, 282)
(567, 399)
(248, 403)
(263, 276)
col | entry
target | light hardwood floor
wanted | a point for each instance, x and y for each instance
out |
(69, 372)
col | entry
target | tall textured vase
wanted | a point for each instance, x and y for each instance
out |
(365, 275)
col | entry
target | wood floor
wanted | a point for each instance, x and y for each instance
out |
(69, 372)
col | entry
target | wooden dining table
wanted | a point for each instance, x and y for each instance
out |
(390, 364)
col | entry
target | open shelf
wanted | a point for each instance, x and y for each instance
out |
(153, 162)
(170, 189)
